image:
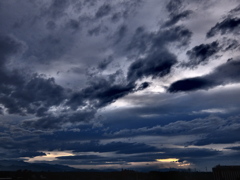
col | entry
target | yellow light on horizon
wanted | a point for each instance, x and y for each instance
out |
(168, 160)
(50, 156)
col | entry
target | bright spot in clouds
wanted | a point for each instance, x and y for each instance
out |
(175, 161)
(50, 156)
(167, 160)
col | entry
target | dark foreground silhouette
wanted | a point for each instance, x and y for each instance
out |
(120, 175)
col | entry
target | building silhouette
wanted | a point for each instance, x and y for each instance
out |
(226, 172)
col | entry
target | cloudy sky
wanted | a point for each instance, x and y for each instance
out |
(120, 84)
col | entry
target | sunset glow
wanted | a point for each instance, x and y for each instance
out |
(167, 160)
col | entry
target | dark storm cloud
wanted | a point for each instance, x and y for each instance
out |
(62, 144)
(30, 154)
(45, 122)
(158, 64)
(53, 122)
(190, 153)
(106, 93)
(226, 73)
(201, 53)
(41, 90)
(157, 112)
(53, 116)
(228, 25)
(236, 148)
(217, 130)
(22, 93)
(182, 154)
(102, 91)
(92, 161)
(9, 46)
(37, 94)
(221, 137)
(81, 157)
(33, 96)
(112, 160)
(209, 130)
(159, 60)
(144, 85)
(176, 34)
(191, 84)
(118, 147)
(15, 154)
(192, 127)
(25, 143)
(133, 148)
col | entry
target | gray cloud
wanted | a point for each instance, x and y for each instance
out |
(57, 8)
(104, 10)
(121, 32)
(73, 24)
(174, 6)
(148, 42)
(175, 18)
(97, 30)
(104, 64)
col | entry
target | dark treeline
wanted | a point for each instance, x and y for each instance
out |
(121, 175)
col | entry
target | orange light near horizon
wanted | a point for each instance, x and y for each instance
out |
(168, 160)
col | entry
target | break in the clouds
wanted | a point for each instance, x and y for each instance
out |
(121, 84)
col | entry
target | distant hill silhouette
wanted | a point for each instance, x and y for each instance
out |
(6, 165)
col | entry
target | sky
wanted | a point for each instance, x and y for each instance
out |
(133, 84)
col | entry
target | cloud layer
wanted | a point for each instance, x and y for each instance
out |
(99, 84)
